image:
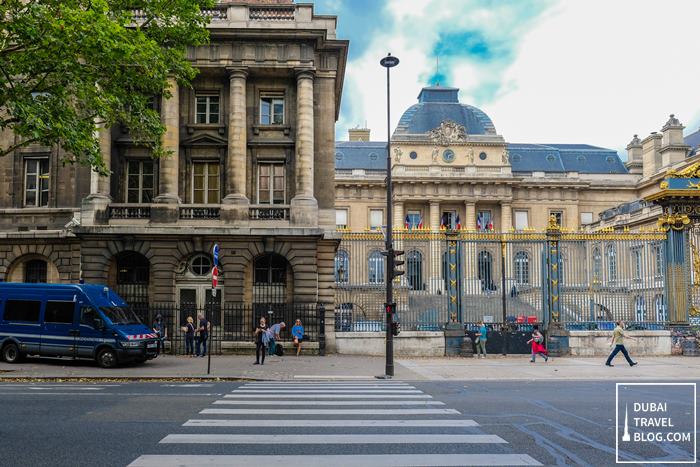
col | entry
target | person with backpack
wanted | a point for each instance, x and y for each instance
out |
(537, 344)
(259, 335)
(273, 333)
(188, 328)
(203, 331)
(481, 337)
(298, 335)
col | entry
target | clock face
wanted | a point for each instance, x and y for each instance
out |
(448, 155)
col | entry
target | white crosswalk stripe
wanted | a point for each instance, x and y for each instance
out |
(307, 415)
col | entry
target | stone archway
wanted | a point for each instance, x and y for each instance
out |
(33, 268)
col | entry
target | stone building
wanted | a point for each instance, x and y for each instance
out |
(449, 163)
(252, 170)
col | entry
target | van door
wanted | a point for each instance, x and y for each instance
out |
(21, 320)
(89, 336)
(58, 335)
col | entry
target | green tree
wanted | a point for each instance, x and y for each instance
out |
(68, 65)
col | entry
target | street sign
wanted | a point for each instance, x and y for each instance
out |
(215, 253)
(214, 277)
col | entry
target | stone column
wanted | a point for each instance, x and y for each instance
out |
(434, 215)
(237, 157)
(506, 217)
(324, 148)
(168, 171)
(304, 207)
(95, 205)
(470, 215)
(398, 215)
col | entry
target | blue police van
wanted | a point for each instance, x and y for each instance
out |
(71, 320)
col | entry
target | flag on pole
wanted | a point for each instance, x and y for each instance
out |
(443, 221)
(407, 222)
(489, 226)
(458, 223)
(420, 222)
(480, 222)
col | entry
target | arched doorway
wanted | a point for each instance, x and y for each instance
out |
(33, 269)
(270, 279)
(193, 287)
(130, 278)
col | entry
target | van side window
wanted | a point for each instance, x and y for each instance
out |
(88, 316)
(22, 310)
(59, 312)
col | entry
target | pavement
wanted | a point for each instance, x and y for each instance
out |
(233, 367)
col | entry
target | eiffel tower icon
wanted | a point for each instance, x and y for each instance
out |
(626, 434)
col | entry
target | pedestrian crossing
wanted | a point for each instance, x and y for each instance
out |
(338, 423)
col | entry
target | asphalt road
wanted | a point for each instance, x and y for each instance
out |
(116, 424)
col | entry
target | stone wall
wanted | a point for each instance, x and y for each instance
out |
(597, 343)
(406, 344)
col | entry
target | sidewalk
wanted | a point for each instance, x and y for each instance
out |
(363, 367)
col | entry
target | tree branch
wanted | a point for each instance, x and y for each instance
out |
(14, 147)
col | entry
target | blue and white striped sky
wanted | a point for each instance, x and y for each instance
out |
(545, 71)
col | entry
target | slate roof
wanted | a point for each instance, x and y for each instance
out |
(437, 104)
(368, 155)
(693, 140)
(582, 158)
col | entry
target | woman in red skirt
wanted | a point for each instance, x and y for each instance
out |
(537, 344)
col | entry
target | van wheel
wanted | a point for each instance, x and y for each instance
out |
(11, 353)
(107, 358)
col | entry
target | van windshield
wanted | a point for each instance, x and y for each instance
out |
(120, 315)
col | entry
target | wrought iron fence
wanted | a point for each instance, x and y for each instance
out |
(232, 322)
(582, 280)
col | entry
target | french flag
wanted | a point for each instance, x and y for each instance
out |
(420, 222)
(407, 222)
(489, 226)
(480, 222)
(458, 223)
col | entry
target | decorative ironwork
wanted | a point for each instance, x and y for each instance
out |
(124, 211)
(202, 212)
(269, 213)
(673, 221)
(692, 171)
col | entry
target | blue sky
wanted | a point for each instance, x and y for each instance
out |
(545, 71)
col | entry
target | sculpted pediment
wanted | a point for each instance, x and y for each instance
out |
(204, 139)
(447, 133)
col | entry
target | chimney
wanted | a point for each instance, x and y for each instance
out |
(673, 147)
(651, 159)
(358, 134)
(634, 156)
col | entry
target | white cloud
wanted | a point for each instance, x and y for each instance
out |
(599, 71)
(591, 71)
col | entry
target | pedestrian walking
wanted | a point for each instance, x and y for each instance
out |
(537, 345)
(160, 331)
(259, 334)
(481, 337)
(618, 340)
(189, 336)
(203, 328)
(298, 335)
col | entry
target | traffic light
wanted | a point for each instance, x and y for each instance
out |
(395, 328)
(395, 263)
(390, 308)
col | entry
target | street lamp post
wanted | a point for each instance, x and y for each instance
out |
(389, 62)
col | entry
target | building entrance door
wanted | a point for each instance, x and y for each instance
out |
(195, 298)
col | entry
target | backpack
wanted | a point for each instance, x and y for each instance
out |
(279, 350)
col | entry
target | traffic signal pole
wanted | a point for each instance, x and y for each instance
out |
(389, 62)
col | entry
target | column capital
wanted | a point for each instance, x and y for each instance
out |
(237, 72)
(304, 73)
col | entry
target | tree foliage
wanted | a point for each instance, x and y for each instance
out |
(67, 66)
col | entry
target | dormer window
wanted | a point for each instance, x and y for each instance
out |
(271, 109)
